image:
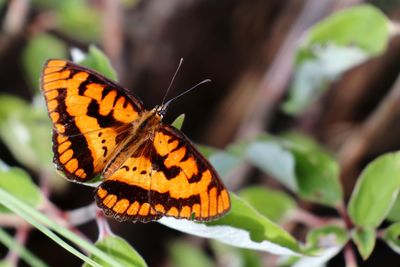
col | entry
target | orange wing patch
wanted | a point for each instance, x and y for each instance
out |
(90, 114)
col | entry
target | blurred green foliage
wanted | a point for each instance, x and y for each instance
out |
(333, 46)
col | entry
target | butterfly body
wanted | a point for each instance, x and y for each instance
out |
(140, 131)
(150, 169)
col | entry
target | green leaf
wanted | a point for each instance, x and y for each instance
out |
(39, 49)
(178, 122)
(224, 163)
(365, 241)
(242, 227)
(97, 60)
(333, 46)
(120, 250)
(313, 76)
(22, 252)
(5, 264)
(392, 236)
(183, 254)
(317, 172)
(394, 213)
(363, 26)
(206, 151)
(78, 19)
(275, 160)
(26, 131)
(273, 204)
(47, 226)
(323, 244)
(375, 191)
(327, 236)
(231, 255)
(18, 183)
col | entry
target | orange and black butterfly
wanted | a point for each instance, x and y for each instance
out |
(150, 169)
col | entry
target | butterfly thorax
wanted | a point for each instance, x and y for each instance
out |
(138, 133)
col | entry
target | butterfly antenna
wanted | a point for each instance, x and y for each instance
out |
(185, 92)
(172, 81)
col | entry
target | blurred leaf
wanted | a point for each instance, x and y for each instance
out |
(333, 46)
(242, 227)
(120, 250)
(392, 236)
(5, 264)
(365, 241)
(327, 236)
(323, 243)
(45, 3)
(232, 256)
(206, 151)
(183, 254)
(49, 227)
(129, 3)
(18, 183)
(224, 163)
(250, 258)
(22, 252)
(178, 122)
(394, 213)
(363, 26)
(79, 19)
(26, 131)
(40, 48)
(240, 147)
(273, 204)
(312, 77)
(317, 172)
(318, 260)
(97, 60)
(287, 261)
(274, 159)
(375, 191)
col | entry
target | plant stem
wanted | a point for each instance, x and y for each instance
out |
(341, 208)
(102, 225)
(349, 256)
(20, 237)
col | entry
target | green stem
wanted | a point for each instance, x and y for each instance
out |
(44, 224)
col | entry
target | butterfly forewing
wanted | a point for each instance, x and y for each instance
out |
(90, 116)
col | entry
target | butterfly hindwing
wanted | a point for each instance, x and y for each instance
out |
(125, 194)
(187, 186)
(169, 177)
(90, 116)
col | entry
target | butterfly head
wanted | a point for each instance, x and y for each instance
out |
(162, 109)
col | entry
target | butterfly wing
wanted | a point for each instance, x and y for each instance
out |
(90, 116)
(165, 176)
(124, 194)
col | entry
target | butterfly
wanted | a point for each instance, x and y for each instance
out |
(149, 169)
